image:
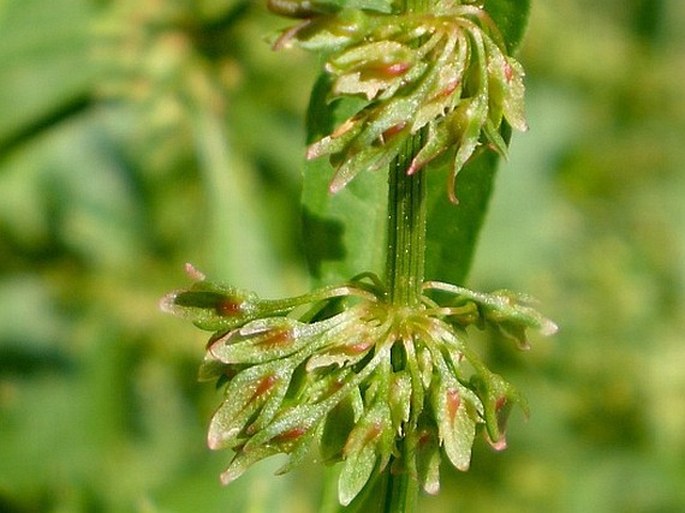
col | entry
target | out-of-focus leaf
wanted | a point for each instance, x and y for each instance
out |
(241, 246)
(44, 63)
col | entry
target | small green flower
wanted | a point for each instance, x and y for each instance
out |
(342, 374)
(447, 71)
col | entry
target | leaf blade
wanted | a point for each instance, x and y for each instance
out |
(338, 228)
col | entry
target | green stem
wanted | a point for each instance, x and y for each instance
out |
(405, 258)
(401, 493)
(404, 276)
(406, 228)
(404, 270)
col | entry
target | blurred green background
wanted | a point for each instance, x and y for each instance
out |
(136, 135)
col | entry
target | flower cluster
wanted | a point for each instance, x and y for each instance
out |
(342, 374)
(447, 71)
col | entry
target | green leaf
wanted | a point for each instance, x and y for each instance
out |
(452, 230)
(511, 16)
(344, 233)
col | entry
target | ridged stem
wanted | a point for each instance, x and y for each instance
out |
(406, 228)
(404, 277)
(404, 270)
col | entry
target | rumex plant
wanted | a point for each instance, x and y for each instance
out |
(379, 373)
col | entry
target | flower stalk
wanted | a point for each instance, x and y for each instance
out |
(404, 277)
(377, 375)
(406, 227)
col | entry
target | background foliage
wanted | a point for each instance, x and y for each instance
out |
(136, 135)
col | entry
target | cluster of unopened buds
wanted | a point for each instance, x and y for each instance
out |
(344, 374)
(447, 70)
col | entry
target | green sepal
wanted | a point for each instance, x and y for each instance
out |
(355, 473)
(465, 123)
(264, 340)
(378, 66)
(498, 397)
(369, 444)
(505, 88)
(338, 425)
(303, 450)
(510, 313)
(369, 158)
(507, 311)
(400, 400)
(212, 306)
(456, 414)
(348, 346)
(298, 418)
(427, 457)
(244, 460)
(253, 398)
(494, 137)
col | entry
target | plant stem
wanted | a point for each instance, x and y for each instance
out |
(404, 276)
(401, 493)
(405, 258)
(406, 228)
(404, 270)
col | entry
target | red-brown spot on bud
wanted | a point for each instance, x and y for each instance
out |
(335, 385)
(382, 70)
(500, 403)
(275, 338)
(230, 372)
(424, 438)
(392, 131)
(453, 403)
(508, 71)
(396, 69)
(447, 91)
(373, 432)
(264, 385)
(358, 348)
(229, 307)
(290, 436)
(356, 442)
